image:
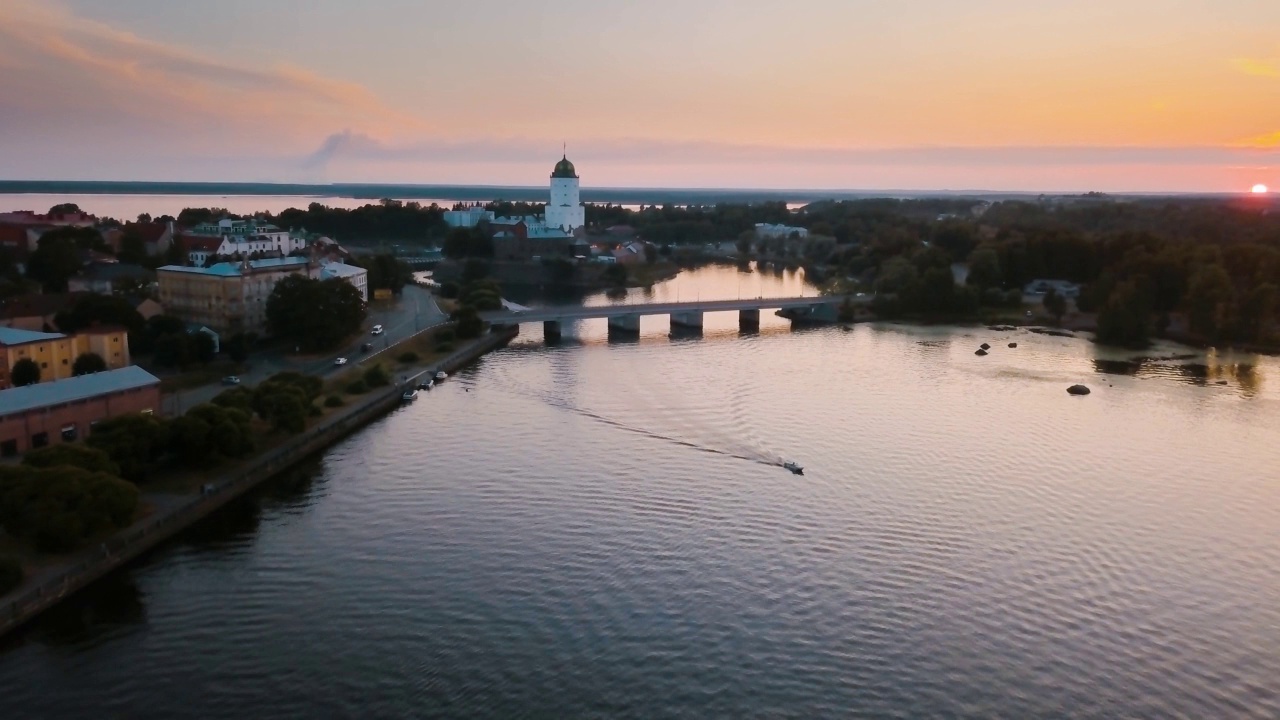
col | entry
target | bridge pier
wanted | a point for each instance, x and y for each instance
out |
(689, 320)
(749, 320)
(552, 330)
(628, 324)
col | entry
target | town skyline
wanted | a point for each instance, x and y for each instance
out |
(995, 97)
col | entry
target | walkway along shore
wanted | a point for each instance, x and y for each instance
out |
(81, 569)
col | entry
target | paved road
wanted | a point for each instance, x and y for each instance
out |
(413, 310)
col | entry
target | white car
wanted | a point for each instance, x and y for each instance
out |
(340, 361)
(377, 330)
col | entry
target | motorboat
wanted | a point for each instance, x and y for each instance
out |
(794, 467)
(409, 395)
(440, 376)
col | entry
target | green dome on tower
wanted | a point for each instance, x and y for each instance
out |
(564, 169)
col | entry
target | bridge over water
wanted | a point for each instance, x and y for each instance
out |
(688, 314)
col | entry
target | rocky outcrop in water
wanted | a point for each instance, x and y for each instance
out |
(1078, 390)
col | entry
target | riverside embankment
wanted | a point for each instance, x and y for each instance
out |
(53, 584)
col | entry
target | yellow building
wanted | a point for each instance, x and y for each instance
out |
(55, 354)
(229, 296)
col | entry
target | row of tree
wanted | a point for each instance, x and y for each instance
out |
(139, 445)
(63, 495)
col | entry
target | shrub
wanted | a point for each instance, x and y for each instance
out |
(314, 411)
(134, 443)
(333, 401)
(10, 573)
(409, 357)
(445, 335)
(357, 388)
(376, 377)
(56, 509)
(24, 372)
(73, 455)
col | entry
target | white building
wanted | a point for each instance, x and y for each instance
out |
(246, 237)
(467, 217)
(765, 231)
(565, 211)
(357, 276)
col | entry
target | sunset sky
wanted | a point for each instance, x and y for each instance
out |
(1112, 95)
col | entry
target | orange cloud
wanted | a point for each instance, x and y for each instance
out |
(1264, 67)
(1271, 140)
(118, 69)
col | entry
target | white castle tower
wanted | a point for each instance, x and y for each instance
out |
(565, 209)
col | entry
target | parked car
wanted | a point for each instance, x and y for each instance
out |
(231, 380)
(340, 361)
(377, 330)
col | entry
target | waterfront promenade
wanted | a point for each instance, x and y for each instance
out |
(172, 514)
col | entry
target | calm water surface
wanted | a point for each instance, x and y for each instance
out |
(601, 529)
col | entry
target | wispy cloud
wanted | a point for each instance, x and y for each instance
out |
(43, 44)
(1259, 67)
(350, 147)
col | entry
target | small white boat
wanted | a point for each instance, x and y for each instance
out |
(409, 395)
(440, 376)
(794, 467)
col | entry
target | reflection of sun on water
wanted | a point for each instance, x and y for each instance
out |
(1259, 189)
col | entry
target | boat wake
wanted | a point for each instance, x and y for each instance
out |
(724, 446)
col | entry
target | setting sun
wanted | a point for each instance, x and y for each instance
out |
(1259, 189)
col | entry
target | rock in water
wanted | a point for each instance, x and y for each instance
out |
(1013, 345)
(1078, 390)
(985, 346)
(980, 351)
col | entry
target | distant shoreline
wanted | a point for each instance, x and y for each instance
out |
(476, 193)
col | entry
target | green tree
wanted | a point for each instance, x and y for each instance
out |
(54, 261)
(95, 309)
(73, 455)
(897, 275)
(202, 347)
(376, 376)
(190, 441)
(230, 430)
(133, 442)
(1258, 312)
(88, 363)
(1208, 301)
(1055, 304)
(238, 346)
(470, 325)
(133, 249)
(56, 509)
(24, 372)
(616, 275)
(314, 314)
(475, 269)
(174, 350)
(984, 268)
(387, 272)
(1125, 318)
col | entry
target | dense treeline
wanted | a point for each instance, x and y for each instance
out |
(387, 220)
(1207, 269)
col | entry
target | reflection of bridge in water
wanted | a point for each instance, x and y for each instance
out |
(689, 315)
